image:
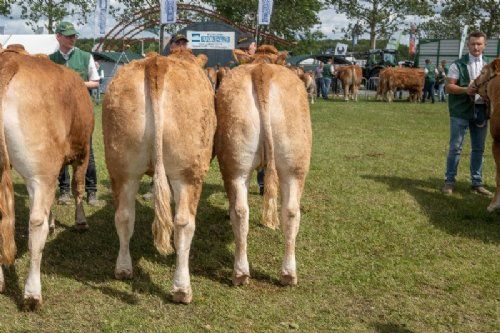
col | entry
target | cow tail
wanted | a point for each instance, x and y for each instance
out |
(261, 78)
(7, 241)
(162, 225)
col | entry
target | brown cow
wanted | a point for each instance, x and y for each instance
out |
(38, 135)
(488, 84)
(351, 77)
(411, 79)
(159, 117)
(263, 121)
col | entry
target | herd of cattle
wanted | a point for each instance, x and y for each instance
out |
(160, 117)
(168, 117)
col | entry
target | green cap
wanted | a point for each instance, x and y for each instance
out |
(66, 29)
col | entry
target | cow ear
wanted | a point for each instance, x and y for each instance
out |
(242, 57)
(202, 60)
(281, 60)
(495, 66)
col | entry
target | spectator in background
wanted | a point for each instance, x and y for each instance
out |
(83, 64)
(440, 81)
(318, 75)
(430, 80)
(328, 71)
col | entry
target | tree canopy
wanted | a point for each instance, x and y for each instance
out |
(481, 15)
(380, 18)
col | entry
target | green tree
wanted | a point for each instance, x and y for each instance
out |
(458, 13)
(5, 6)
(290, 17)
(381, 17)
(52, 11)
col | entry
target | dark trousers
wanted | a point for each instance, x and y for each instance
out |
(429, 90)
(318, 86)
(260, 177)
(90, 175)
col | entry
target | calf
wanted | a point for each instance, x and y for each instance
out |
(38, 135)
(159, 117)
(263, 121)
(351, 77)
(310, 85)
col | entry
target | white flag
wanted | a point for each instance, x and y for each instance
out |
(462, 40)
(265, 11)
(168, 11)
(103, 14)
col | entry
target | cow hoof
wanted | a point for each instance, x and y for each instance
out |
(81, 227)
(288, 280)
(241, 280)
(493, 207)
(32, 302)
(124, 274)
(184, 296)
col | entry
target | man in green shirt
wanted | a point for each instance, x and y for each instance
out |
(328, 72)
(83, 63)
(430, 80)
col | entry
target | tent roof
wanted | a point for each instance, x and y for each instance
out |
(45, 44)
(115, 56)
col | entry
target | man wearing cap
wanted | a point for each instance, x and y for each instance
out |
(247, 43)
(83, 63)
(178, 41)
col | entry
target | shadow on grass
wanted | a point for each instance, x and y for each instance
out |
(90, 257)
(391, 328)
(463, 213)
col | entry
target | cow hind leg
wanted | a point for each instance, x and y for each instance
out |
(124, 223)
(290, 211)
(78, 188)
(41, 192)
(495, 202)
(239, 215)
(2, 280)
(186, 201)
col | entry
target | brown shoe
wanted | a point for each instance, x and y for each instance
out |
(448, 189)
(481, 191)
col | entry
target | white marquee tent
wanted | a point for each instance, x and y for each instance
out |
(45, 44)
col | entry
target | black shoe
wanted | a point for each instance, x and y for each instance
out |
(64, 198)
(92, 199)
(261, 190)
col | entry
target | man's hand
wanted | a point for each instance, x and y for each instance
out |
(471, 91)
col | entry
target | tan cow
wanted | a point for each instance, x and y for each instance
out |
(159, 117)
(39, 133)
(212, 76)
(488, 84)
(310, 85)
(263, 121)
(351, 77)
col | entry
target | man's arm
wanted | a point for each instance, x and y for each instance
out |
(453, 88)
(451, 83)
(94, 77)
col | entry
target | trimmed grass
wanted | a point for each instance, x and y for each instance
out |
(379, 250)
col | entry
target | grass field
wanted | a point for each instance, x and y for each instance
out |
(380, 248)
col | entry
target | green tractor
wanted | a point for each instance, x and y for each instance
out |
(378, 59)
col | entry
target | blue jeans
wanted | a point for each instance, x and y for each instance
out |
(441, 93)
(325, 88)
(458, 130)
